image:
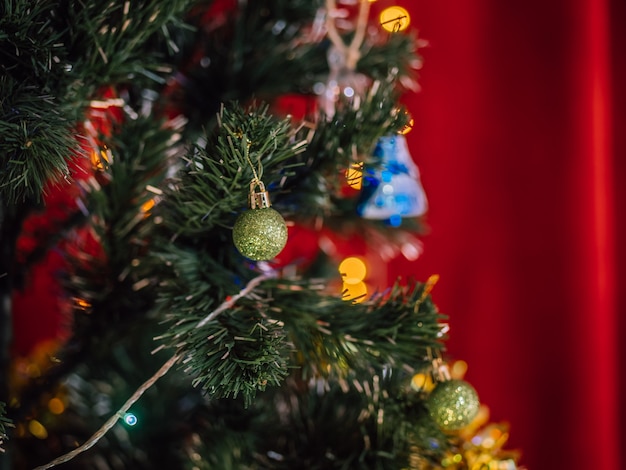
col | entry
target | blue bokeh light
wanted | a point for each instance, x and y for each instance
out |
(395, 220)
(130, 419)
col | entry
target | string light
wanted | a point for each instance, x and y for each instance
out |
(422, 382)
(82, 305)
(356, 292)
(147, 206)
(37, 429)
(353, 271)
(354, 175)
(130, 419)
(408, 127)
(394, 19)
(100, 160)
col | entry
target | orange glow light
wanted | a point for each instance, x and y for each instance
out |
(56, 406)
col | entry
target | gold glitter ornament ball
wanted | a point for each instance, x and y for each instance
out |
(260, 234)
(453, 404)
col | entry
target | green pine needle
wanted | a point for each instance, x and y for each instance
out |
(4, 424)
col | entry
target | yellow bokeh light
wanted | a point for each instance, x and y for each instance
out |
(394, 19)
(37, 429)
(356, 292)
(421, 381)
(354, 175)
(353, 270)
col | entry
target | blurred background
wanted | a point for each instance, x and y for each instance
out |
(520, 136)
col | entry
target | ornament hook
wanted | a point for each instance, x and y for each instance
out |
(258, 199)
(440, 371)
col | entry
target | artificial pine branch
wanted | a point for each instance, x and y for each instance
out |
(249, 347)
(288, 41)
(239, 72)
(56, 56)
(253, 344)
(38, 142)
(371, 420)
(114, 42)
(119, 201)
(164, 369)
(347, 138)
(31, 48)
(396, 329)
(106, 427)
(396, 52)
(357, 124)
(213, 186)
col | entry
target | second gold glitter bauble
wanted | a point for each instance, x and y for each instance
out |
(260, 234)
(453, 404)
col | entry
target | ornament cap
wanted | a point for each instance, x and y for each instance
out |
(258, 199)
(441, 372)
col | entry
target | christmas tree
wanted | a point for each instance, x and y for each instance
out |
(197, 164)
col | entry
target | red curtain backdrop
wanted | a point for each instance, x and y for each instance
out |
(520, 137)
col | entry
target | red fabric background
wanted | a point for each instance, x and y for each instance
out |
(520, 138)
